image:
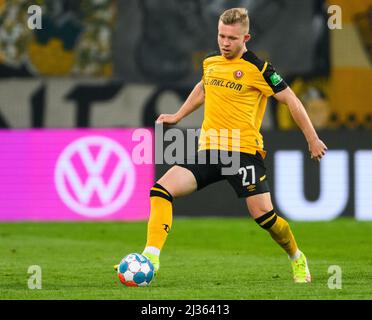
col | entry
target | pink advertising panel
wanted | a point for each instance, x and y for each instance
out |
(80, 174)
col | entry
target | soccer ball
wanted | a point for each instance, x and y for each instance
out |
(135, 270)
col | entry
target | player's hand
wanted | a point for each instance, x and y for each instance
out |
(317, 149)
(167, 119)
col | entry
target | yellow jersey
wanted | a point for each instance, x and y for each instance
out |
(236, 92)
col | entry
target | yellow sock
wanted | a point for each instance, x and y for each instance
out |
(280, 231)
(160, 221)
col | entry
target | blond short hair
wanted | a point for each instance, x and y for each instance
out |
(236, 15)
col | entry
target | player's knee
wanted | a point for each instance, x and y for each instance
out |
(259, 209)
(158, 190)
(178, 181)
(259, 204)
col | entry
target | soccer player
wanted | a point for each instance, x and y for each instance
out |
(234, 89)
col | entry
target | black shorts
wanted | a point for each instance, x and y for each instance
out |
(248, 178)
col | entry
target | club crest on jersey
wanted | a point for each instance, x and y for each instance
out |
(238, 74)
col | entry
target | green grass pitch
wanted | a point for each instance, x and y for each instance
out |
(204, 258)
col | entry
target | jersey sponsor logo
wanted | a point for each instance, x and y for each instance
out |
(94, 176)
(223, 83)
(275, 79)
(238, 74)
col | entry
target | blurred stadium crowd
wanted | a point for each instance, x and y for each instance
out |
(136, 58)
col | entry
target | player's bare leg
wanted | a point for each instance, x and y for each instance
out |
(261, 209)
(176, 182)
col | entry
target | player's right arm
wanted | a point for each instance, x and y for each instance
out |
(193, 102)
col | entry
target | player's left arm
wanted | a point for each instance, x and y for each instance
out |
(317, 147)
